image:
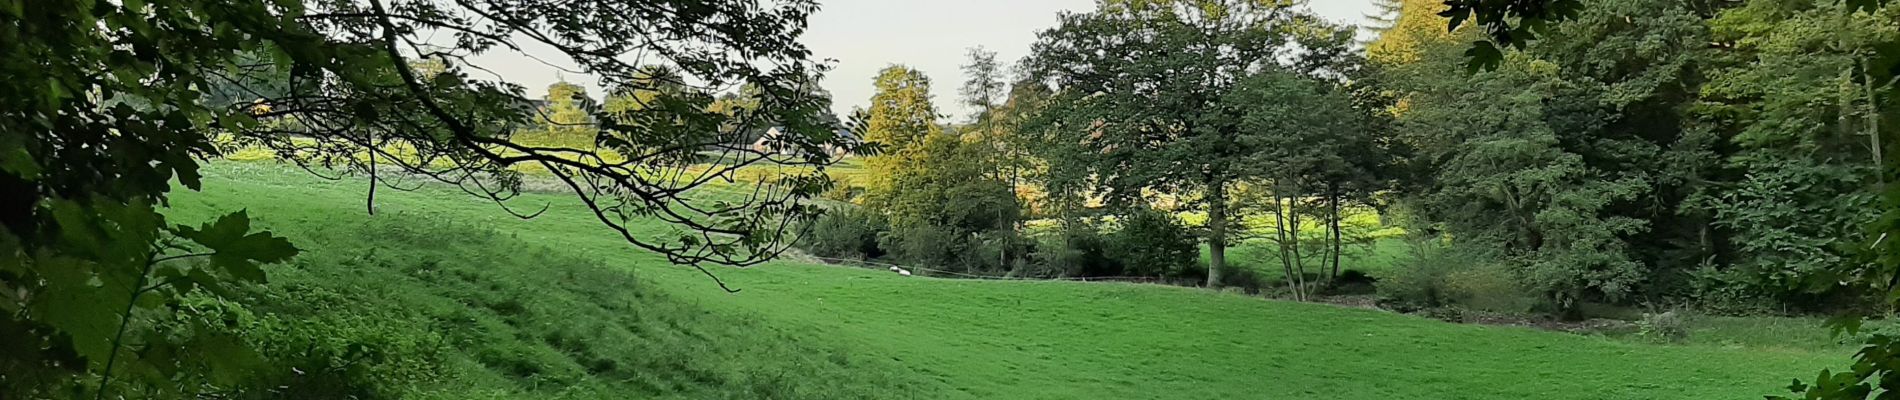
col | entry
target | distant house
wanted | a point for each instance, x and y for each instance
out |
(769, 143)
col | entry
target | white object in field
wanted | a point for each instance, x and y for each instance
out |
(903, 272)
(893, 268)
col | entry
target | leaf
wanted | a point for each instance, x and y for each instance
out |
(1457, 14)
(77, 308)
(16, 160)
(1864, 5)
(209, 283)
(1484, 56)
(55, 92)
(239, 267)
(236, 251)
(1848, 324)
(16, 8)
(229, 237)
(230, 362)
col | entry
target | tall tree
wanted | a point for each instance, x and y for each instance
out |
(1134, 109)
(939, 190)
(983, 84)
(900, 118)
(986, 91)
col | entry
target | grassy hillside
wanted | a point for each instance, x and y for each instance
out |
(423, 305)
(816, 331)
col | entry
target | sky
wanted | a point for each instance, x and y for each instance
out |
(933, 36)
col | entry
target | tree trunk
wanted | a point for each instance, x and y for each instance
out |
(1873, 121)
(1332, 196)
(1293, 247)
(1281, 248)
(1216, 233)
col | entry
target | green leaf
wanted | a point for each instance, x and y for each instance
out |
(1457, 16)
(230, 361)
(55, 92)
(1483, 55)
(229, 236)
(209, 283)
(236, 251)
(238, 266)
(16, 160)
(78, 309)
(1864, 5)
(15, 8)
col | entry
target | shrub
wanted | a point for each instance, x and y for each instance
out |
(1488, 287)
(1235, 276)
(1668, 326)
(1441, 275)
(998, 252)
(1351, 282)
(1423, 282)
(924, 245)
(1152, 243)
(1726, 292)
(849, 233)
(1076, 251)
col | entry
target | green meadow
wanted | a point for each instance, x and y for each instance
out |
(559, 307)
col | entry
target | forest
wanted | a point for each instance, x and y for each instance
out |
(1163, 199)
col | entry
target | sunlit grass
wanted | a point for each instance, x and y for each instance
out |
(960, 339)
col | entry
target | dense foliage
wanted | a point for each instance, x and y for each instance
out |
(1144, 101)
(1623, 157)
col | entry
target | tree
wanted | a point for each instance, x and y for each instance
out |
(1585, 137)
(657, 84)
(1415, 23)
(1498, 176)
(986, 89)
(1507, 23)
(939, 190)
(1132, 113)
(1387, 16)
(567, 113)
(900, 118)
(106, 106)
(983, 85)
(1314, 147)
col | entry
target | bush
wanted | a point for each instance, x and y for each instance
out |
(1488, 287)
(850, 233)
(1237, 277)
(1440, 275)
(1152, 243)
(1422, 283)
(1668, 326)
(998, 252)
(1076, 251)
(1233, 275)
(924, 245)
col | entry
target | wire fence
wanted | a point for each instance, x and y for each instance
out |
(938, 273)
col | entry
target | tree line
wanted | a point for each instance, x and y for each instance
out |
(1728, 156)
(1719, 155)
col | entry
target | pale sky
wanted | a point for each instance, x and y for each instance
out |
(933, 36)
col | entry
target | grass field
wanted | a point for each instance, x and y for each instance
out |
(807, 331)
